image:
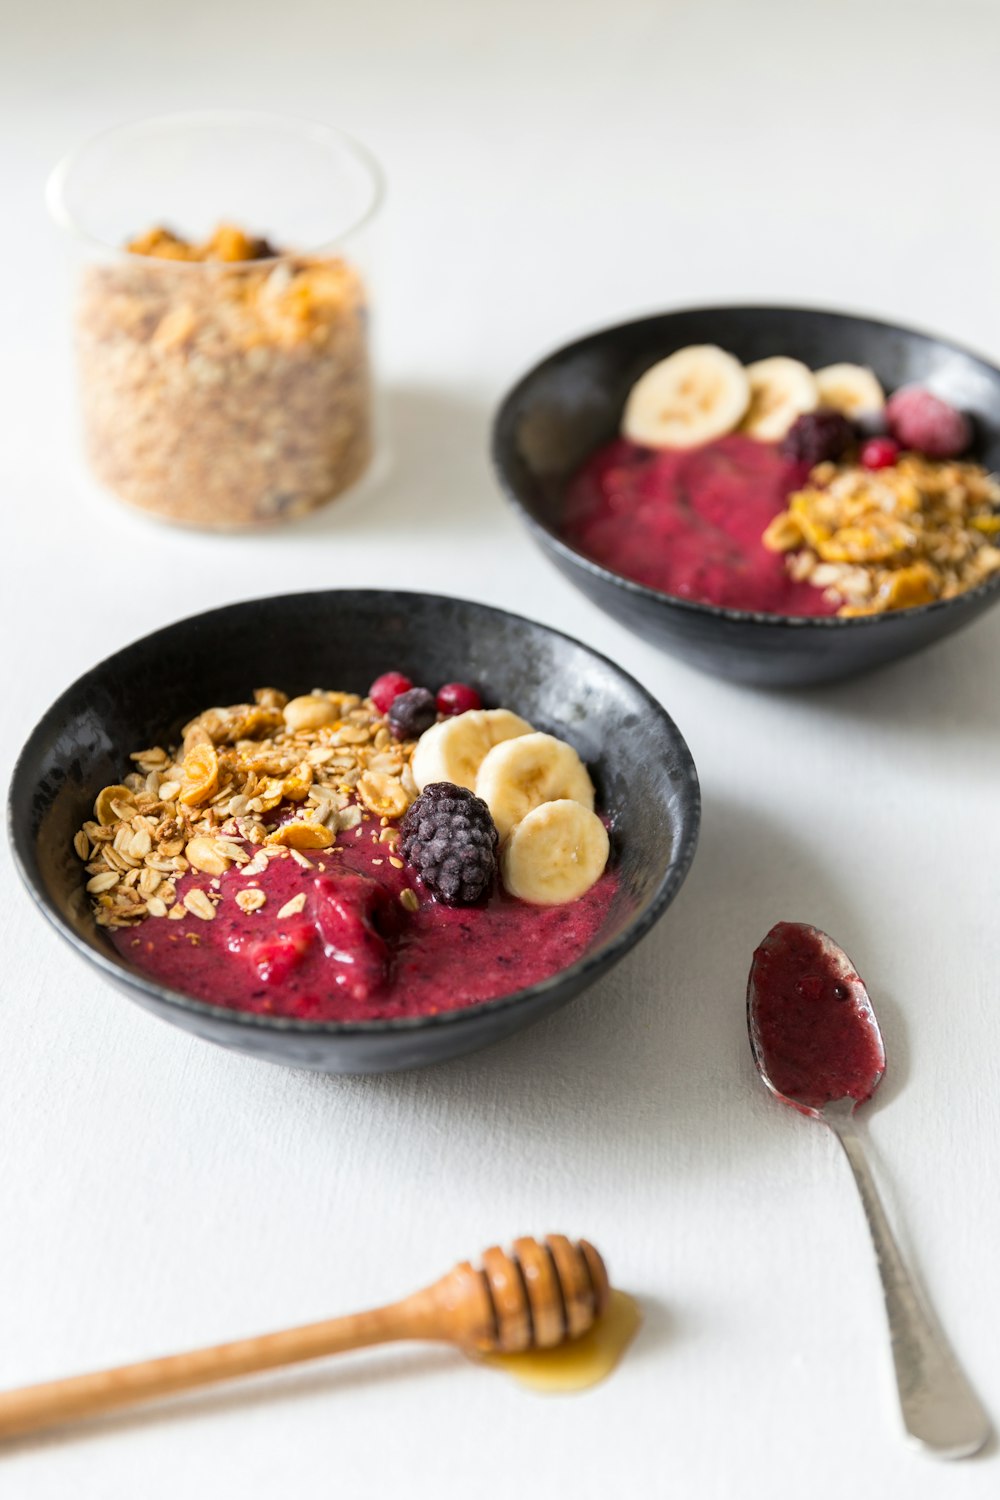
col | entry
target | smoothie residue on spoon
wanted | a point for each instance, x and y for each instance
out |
(812, 1028)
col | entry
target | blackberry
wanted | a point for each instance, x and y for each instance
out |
(411, 713)
(450, 839)
(817, 436)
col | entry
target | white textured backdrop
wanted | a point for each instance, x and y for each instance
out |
(551, 168)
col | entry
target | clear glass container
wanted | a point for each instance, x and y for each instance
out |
(228, 391)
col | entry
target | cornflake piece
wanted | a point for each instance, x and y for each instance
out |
(302, 836)
(104, 809)
(382, 794)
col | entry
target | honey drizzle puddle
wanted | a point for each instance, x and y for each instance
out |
(581, 1363)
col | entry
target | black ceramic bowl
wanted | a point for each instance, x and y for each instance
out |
(642, 768)
(572, 402)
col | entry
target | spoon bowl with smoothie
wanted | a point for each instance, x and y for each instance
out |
(817, 1046)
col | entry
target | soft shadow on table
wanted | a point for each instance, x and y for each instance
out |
(438, 478)
(945, 695)
(658, 1048)
(243, 1398)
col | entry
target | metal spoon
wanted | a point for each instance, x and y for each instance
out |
(940, 1409)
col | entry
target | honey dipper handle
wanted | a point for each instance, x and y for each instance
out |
(60, 1401)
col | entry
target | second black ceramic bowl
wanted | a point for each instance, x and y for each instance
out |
(571, 403)
(641, 766)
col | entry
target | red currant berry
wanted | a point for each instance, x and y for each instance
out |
(879, 453)
(457, 698)
(387, 688)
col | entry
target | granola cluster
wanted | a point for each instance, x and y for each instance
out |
(249, 783)
(894, 537)
(224, 385)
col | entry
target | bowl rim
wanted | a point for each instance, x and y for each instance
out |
(587, 968)
(502, 428)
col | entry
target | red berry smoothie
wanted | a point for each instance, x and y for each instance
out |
(689, 522)
(354, 951)
(810, 1022)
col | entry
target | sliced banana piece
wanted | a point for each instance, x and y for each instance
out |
(852, 389)
(557, 851)
(454, 749)
(690, 397)
(522, 773)
(781, 389)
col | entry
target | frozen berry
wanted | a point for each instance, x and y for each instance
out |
(457, 698)
(818, 435)
(411, 713)
(387, 687)
(448, 836)
(919, 419)
(277, 957)
(879, 453)
(357, 920)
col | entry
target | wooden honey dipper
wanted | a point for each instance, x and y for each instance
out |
(537, 1296)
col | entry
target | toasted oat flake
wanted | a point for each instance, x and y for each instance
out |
(252, 899)
(293, 907)
(409, 900)
(197, 903)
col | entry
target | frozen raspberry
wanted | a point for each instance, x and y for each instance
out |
(387, 687)
(919, 419)
(457, 698)
(879, 453)
(450, 839)
(411, 713)
(277, 957)
(816, 436)
(357, 921)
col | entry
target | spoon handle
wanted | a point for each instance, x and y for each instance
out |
(940, 1409)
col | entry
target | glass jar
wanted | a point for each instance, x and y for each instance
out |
(222, 313)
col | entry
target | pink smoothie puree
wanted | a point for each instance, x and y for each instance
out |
(689, 522)
(813, 1028)
(354, 952)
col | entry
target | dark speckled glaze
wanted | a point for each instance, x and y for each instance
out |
(572, 402)
(143, 695)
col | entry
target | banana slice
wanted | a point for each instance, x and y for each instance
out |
(852, 389)
(454, 749)
(781, 389)
(690, 397)
(555, 853)
(523, 773)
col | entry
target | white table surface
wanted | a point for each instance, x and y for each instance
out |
(552, 168)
